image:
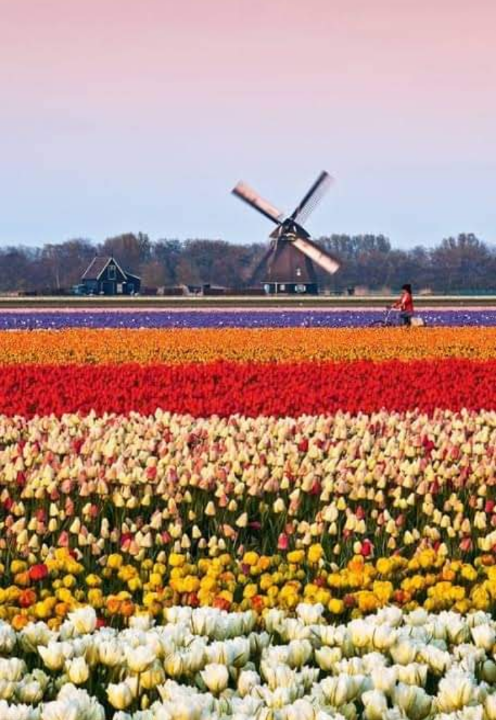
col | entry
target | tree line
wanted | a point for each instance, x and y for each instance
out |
(462, 263)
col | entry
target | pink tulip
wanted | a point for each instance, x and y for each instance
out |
(466, 544)
(64, 539)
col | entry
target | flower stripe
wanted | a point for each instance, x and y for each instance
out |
(245, 345)
(249, 388)
(139, 513)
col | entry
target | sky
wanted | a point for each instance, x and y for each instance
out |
(141, 115)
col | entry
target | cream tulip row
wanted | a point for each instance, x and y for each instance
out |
(205, 663)
(204, 485)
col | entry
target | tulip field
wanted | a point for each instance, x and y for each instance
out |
(234, 515)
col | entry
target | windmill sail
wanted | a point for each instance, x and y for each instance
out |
(248, 195)
(312, 198)
(319, 256)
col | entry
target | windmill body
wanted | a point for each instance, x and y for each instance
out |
(288, 266)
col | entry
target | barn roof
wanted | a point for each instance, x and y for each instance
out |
(98, 265)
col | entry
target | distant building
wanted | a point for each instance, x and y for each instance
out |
(104, 276)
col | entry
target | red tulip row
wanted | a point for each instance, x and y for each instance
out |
(251, 389)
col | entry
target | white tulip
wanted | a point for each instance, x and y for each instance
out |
(299, 652)
(110, 653)
(278, 676)
(456, 690)
(414, 701)
(194, 659)
(327, 657)
(361, 633)
(174, 665)
(35, 634)
(120, 695)
(7, 638)
(341, 689)
(18, 712)
(29, 692)
(310, 614)
(179, 614)
(384, 679)
(383, 637)
(417, 617)
(154, 675)
(83, 619)
(203, 622)
(247, 680)
(300, 710)
(484, 636)
(413, 674)
(404, 652)
(438, 660)
(237, 651)
(274, 620)
(490, 707)
(183, 709)
(60, 710)
(12, 669)
(52, 655)
(457, 628)
(7, 689)
(215, 677)
(141, 622)
(139, 658)
(375, 704)
(77, 670)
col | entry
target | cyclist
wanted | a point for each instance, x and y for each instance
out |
(405, 305)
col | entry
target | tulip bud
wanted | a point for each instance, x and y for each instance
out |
(77, 670)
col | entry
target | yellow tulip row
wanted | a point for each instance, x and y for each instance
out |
(121, 589)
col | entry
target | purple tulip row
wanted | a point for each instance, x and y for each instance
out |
(12, 320)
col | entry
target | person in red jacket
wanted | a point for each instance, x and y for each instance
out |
(405, 305)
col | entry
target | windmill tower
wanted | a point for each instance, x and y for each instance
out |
(288, 265)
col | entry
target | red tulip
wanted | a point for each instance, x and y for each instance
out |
(366, 548)
(225, 388)
(38, 572)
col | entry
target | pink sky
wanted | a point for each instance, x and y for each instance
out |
(125, 115)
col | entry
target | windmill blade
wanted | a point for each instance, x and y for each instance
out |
(248, 195)
(312, 198)
(317, 254)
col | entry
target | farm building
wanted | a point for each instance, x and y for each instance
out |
(104, 276)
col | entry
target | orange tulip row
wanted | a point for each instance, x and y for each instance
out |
(175, 346)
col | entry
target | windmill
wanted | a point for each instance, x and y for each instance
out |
(288, 264)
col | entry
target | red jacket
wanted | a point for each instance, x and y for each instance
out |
(405, 303)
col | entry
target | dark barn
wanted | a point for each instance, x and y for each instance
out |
(104, 276)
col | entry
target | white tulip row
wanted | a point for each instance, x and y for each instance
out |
(207, 664)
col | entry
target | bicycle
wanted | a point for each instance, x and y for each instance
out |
(389, 321)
